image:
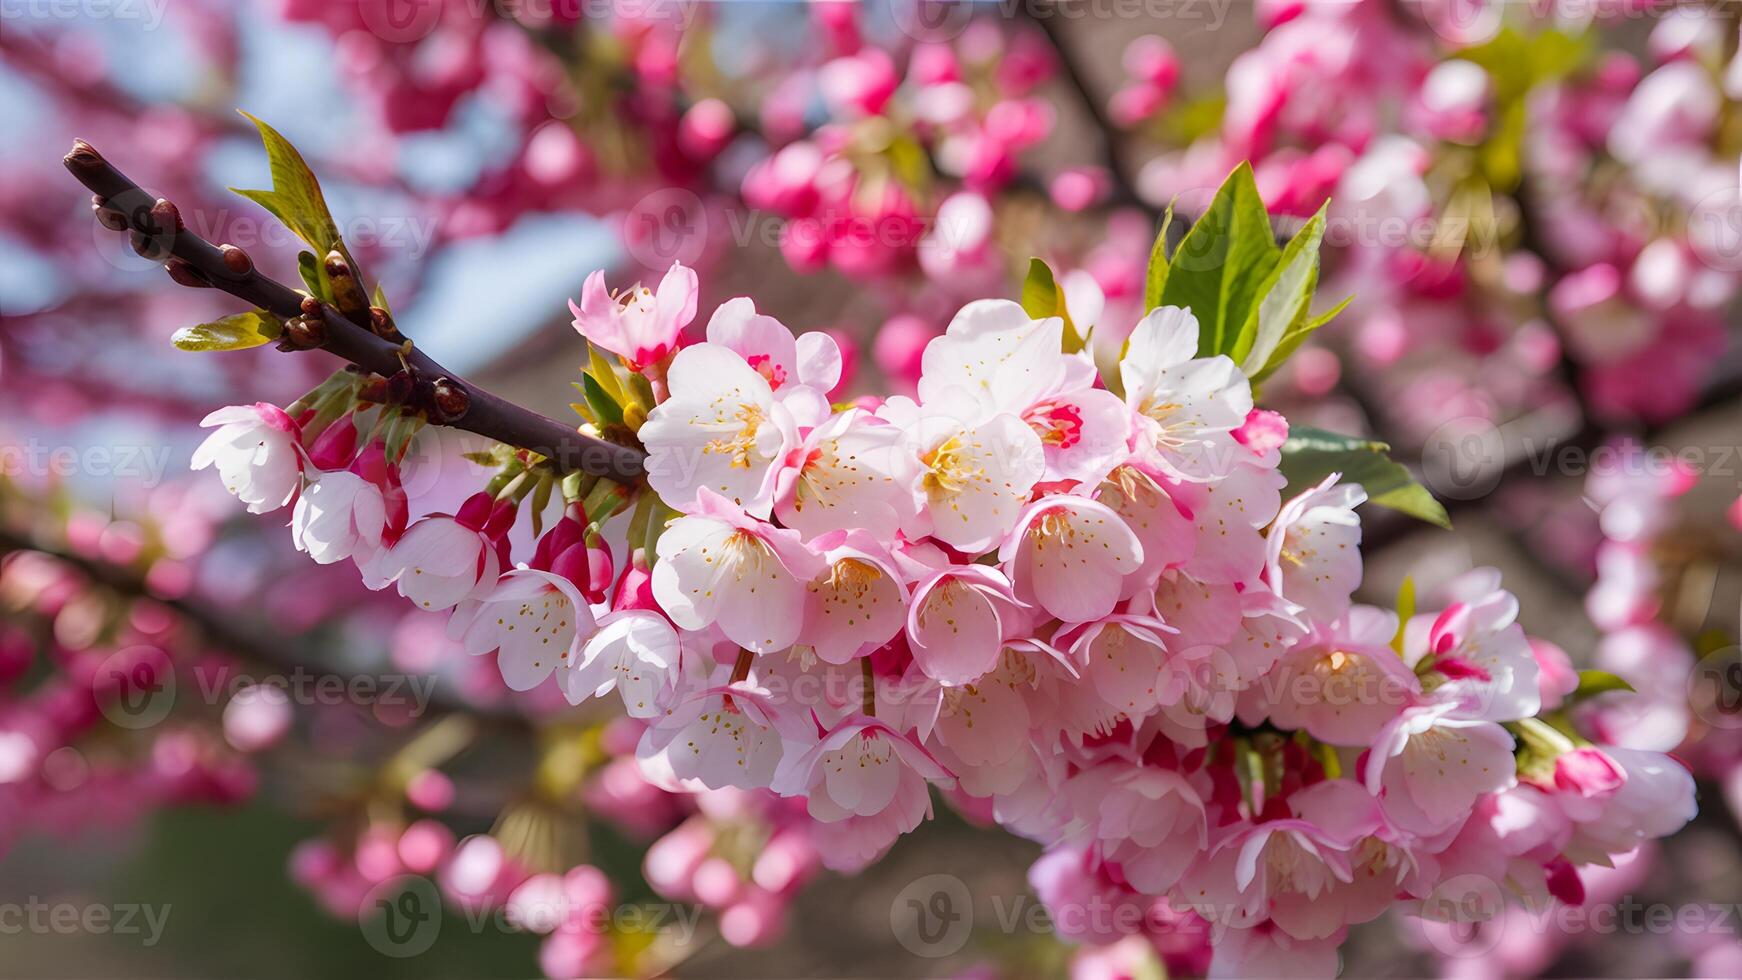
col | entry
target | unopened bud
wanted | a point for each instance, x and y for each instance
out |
(311, 307)
(186, 275)
(304, 332)
(347, 291)
(166, 217)
(381, 323)
(83, 155)
(153, 247)
(107, 216)
(451, 400)
(236, 260)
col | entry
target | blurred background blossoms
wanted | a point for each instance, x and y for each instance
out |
(1535, 206)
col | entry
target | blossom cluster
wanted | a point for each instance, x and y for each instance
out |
(1092, 609)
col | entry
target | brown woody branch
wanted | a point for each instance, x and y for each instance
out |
(158, 232)
(263, 648)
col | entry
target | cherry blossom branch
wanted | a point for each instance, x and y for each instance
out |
(253, 644)
(158, 232)
(1528, 466)
(248, 642)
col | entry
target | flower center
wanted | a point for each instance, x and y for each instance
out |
(948, 468)
(1059, 426)
(771, 372)
(1167, 426)
(1054, 527)
(1293, 554)
(743, 445)
(853, 575)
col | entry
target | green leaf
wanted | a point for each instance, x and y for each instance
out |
(604, 374)
(1595, 682)
(910, 165)
(1285, 296)
(238, 331)
(1297, 335)
(541, 500)
(1187, 122)
(1155, 277)
(295, 197)
(658, 516)
(314, 276)
(380, 299)
(605, 409)
(1310, 455)
(1042, 297)
(1040, 293)
(1220, 264)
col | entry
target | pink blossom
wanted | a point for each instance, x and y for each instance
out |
(257, 451)
(642, 327)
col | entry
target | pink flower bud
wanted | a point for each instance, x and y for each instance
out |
(899, 346)
(1135, 103)
(706, 129)
(556, 157)
(1078, 189)
(599, 570)
(474, 514)
(1589, 773)
(564, 535)
(1151, 59)
(803, 245)
(672, 861)
(716, 883)
(425, 845)
(1263, 431)
(257, 717)
(336, 447)
(1564, 882)
(430, 790)
(572, 953)
(755, 921)
(314, 861)
(860, 83)
(635, 586)
(933, 64)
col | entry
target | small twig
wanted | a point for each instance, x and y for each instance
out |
(1527, 466)
(159, 224)
(261, 647)
(1124, 189)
